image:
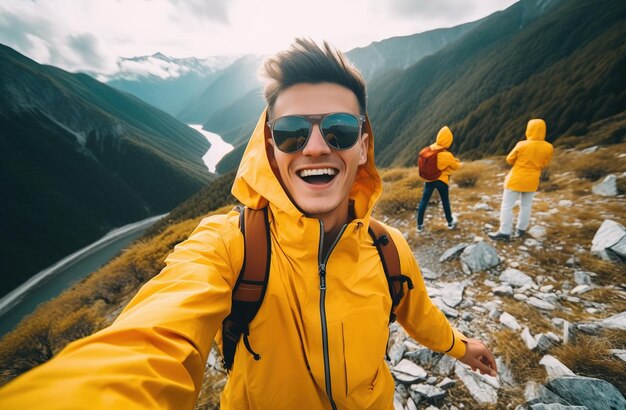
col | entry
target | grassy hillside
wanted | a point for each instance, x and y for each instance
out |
(78, 159)
(97, 300)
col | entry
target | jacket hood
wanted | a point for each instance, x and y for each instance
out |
(444, 137)
(256, 184)
(536, 130)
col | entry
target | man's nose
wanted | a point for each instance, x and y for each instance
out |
(316, 145)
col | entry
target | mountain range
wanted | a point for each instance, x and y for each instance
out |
(562, 61)
(558, 60)
(78, 159)
(165, 82)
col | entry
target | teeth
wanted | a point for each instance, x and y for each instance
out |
(319, 171)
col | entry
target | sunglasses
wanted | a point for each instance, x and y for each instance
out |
(340, 130)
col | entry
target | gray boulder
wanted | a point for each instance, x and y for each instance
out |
(515, 277)
(595, 394)
(617, 321)
(609, 242)
(452, 294)
(484, 389)
(608, 186)
(554, 367)
(430, 393)
(453, 252)
(479, 257)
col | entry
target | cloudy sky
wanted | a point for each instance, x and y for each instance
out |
(91, 34)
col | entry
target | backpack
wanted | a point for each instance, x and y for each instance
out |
(427, 163)
(252, 281)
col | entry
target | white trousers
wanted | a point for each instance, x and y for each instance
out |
(506, 211)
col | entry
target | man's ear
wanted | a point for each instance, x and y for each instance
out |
(364, 143)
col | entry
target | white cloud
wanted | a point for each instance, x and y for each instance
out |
(92, 34)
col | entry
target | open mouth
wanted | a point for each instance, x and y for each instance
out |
(317, 176)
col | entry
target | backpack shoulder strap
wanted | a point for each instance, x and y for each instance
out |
(251, 283)
(390, 259)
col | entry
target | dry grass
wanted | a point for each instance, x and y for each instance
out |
(608, 273)
(592, 166)
(87, 306)
(524, 364)
(589, 356)
(402, 191)
(470, 173)
(527, 315)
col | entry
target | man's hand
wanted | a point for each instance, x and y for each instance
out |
(478, 356)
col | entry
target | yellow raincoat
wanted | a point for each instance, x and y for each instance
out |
(528, 158)
(154, 354)
(446, 162)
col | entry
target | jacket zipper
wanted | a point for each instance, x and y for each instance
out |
(322, 259)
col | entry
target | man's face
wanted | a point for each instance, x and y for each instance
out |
(326, 194)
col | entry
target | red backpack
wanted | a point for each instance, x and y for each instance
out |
(427, 163)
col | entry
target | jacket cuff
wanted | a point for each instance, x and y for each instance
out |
(457, 348)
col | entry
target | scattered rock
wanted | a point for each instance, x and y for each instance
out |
(565, 203)
(580, 289)
(554, 367)
(453, 252)
(546, 341)
(568, 332)
(479, 257)
(590, 150)
(481, 206)
(445, 365)
(607, 242)
(538, 232)
(528, 339)
(515, 277)
(509, 321)
(620, 354)
(537, 393)
(608, 186)
(446, 383)
(452, 294)
(408, 367)
(396, 352)
(582, 278)
(429, 274)
(505, 290)
(540, 304)
(595, 394)
(484, 391)
(617, 321)
(431, 393)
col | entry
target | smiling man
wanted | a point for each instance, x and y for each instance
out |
(319, 338)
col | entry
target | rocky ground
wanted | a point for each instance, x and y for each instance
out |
(551, 305)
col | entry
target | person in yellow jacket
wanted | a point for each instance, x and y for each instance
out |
(447, 164)
(528, 158)
(322, 329)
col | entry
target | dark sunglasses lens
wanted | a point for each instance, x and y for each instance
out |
(341, 131)
(290, 133)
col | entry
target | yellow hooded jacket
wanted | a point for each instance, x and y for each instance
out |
(446, 162)
(154, 354)
(528, 158)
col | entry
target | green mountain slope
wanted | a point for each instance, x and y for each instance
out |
(79, 158)
(563, 62)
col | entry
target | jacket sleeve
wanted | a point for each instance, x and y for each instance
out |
(447, 161)
(512, 157)
(550, 151)
(154, 354)
(418, 315)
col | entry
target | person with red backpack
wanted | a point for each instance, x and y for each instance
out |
(435, 165)
(319, 339)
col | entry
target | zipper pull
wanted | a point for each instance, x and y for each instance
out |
(322, 276)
